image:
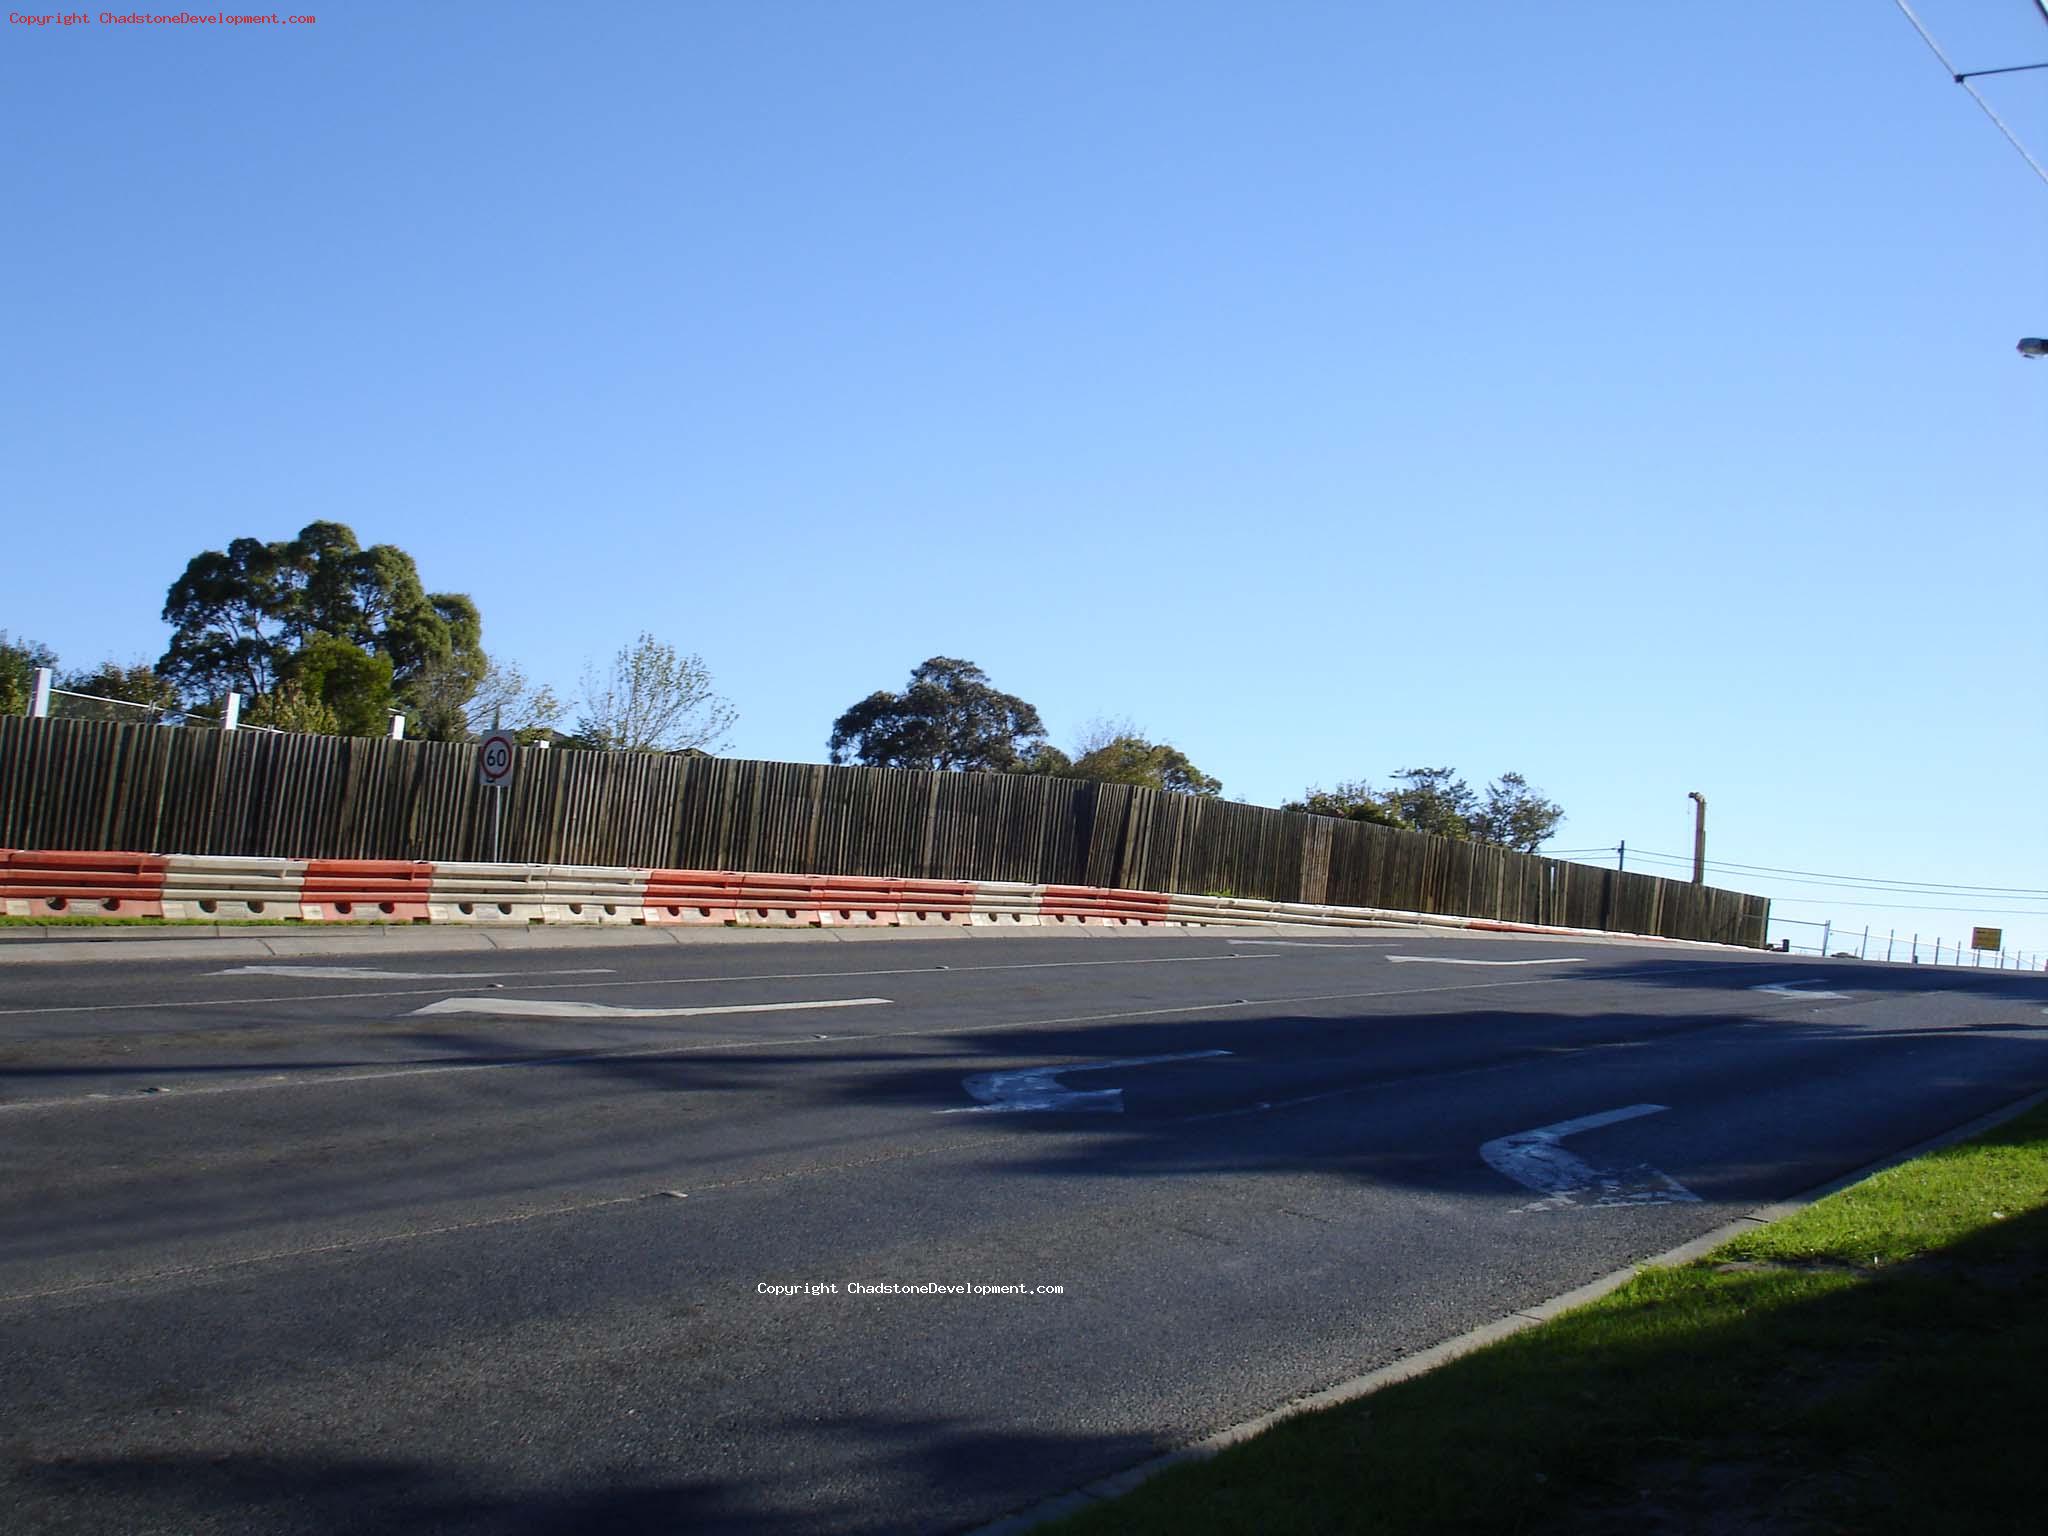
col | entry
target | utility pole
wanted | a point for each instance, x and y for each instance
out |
(1621, 857)
(1699, 838)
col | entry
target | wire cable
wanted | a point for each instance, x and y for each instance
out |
(1861, 882)
(1903, 906)
(1976, 96)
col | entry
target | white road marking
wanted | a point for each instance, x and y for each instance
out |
(1798, 989)
(200, 1272)
(647, 981)
(370, 973)
(562, 1008)
(1535, 1160)
(672, 1048)
(1040, 1087)
(1448, 960)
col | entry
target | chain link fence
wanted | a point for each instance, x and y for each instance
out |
(1795, 936)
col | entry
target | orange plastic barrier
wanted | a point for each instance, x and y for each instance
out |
(691, 896)
(803, 901)
(33, 884)
(1113, 908)
(366, 891)
(875, 901)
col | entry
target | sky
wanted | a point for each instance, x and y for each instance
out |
(1622, 395)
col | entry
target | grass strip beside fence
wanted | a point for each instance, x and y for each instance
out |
(1875, 1362)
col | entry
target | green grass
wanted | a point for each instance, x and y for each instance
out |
(1874, 1363)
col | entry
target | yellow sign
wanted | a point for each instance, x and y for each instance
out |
(1987, 938)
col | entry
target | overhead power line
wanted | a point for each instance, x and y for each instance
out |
(1963, 80)
(1904, 906)
(1858, 882)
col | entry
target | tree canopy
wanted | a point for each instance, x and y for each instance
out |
(1355, 800)
(651, 700)
(19, 660)
(950, 717)
(1119, 753)
(1513, 813)
(1433, 800)
(351, 628)
(136, 683)
(463, 697)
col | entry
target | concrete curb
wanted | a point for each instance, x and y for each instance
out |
(1117, 1484)
(231, 943)
(300, 941)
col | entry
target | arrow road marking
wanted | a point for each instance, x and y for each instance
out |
(1798, 988)
(524, 1008)
(1448, 960)
(1040, 1087)
(355, 972)
(1535, 1160)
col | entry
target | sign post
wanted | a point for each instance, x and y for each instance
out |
(494, 771)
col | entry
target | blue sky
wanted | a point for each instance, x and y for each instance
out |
(1621, 394)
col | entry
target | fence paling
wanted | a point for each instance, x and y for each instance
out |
(68, 784)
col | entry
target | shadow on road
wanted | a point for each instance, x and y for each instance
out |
(231, 1489)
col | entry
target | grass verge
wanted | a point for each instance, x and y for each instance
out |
(1874, 1363)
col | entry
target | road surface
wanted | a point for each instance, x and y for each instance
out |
(540, 1241)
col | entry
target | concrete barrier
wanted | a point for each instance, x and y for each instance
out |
(209, 889)
(487, 893)
(593, 893)
(399, 891)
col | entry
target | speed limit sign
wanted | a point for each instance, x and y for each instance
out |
(494, 763)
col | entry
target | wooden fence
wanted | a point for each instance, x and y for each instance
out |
(78, 784)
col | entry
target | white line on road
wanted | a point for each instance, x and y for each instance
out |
(563, 1008)
(370, 973)
(637, 981)
(1797, 989)
(1536, 1160)
(774, 1176)
(1449, 960)
(672, 1048)
(1041, 1088)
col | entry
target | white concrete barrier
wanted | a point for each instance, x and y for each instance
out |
(212, 888)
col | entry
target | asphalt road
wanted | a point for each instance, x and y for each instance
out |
(306, 1249)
